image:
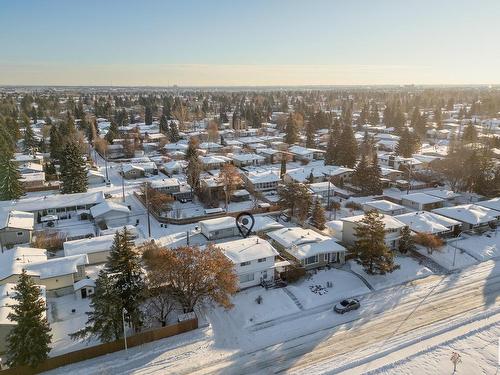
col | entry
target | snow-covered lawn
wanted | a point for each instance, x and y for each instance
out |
(484, 247)
(444, 257)
(313, 291)
(275, 303)
(63, 322)
(410, 269)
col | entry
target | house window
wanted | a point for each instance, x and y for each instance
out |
(311, 260)
(247, 263)
(246, 278)
(19, 234)
(261, 260)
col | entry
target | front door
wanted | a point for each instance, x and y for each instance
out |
(84, 292)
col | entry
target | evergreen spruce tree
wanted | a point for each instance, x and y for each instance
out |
(363, 116)
(124, 269)
(56, 143)
(105, 317)
(318, 215)
(173, 132)
(347, 148)
(291, 133)
(148, 115)
(438, 118)
(6, 142)
(330, 154)
(73, 170)
(406, 242)
(407, 144)
(369, 248)
(10, 184)
(310, 142)
(112, 132)
(283, 166)
(163, 124)
(469, 134)
(374, 117)
(360, 175)
(374, 176)
(29, 339)
(30, 142)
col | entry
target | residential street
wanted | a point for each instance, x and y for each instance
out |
(388, 320)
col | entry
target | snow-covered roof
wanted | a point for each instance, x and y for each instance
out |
(88, 245)
(247, 157)
(442, 193)
(83, 283)
(265, 223)
(218, 223)
(34, 260)
(315, 248)
(421, 198)
(384, 205)
(164, 182)
(302, 174)
(108, 206)
(17, 220)
(290, 236)
(469, 213)
(427, 222)
(493, 204)
(56, 201)
(247, 249)
(263, 177)
(389, 221)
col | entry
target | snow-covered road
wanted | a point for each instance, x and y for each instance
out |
(317, 340)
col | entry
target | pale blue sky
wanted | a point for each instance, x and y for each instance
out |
(258, 42)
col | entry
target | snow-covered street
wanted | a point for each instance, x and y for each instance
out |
(388, 321)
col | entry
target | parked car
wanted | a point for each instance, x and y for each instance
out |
(346, 305)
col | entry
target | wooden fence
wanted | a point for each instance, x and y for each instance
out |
(110, 347)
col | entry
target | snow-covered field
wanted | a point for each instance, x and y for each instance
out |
(313, 291)
(410, 269)
(484, 247)
(449, 257)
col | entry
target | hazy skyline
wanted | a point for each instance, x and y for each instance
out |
(226, 43)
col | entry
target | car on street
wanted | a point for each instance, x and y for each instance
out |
(346, 305)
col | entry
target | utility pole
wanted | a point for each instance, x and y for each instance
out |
(146, 188)
(124, 329)
(123, 183)
(106, 165)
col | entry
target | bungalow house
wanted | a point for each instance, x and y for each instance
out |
(429, 222)
(95, 248)
(265, 180)
(166, 185)
(384, 207)
(210, 146)
(396, 162)
(30, 168)
(307, 247)
(303, 153)
(422, 201)
(270, 155)
(448, 196)
(111, 214)
(253, 260)
(175, 167)
(57, 274)
(471, 216)
(319, 174)
(114, 151)
(244, 160)
(131, 171)
(393, 229)
(21, 159)
(221, 227)
(211, 162)
(59, 205)
(95, 178)
(16, 228)
(7, 293)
